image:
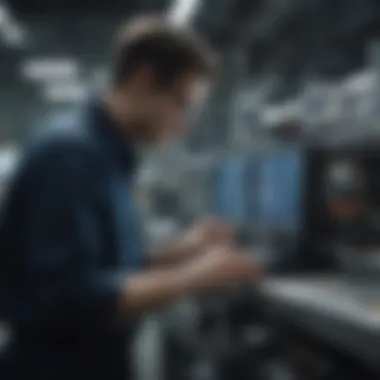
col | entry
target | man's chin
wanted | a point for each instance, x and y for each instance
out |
(162, 141)
(165, 138)
(155, 141)
(161, 138)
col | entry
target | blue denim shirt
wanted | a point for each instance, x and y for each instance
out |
(69, 234)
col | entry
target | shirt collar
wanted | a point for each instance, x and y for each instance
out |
(108, 132)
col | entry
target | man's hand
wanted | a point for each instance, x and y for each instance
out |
(220, 267)
(197, 239)
(206, 234)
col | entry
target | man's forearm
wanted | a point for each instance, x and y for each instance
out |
(151, 290)
(170, 255)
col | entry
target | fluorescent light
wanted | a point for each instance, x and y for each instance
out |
(183, 11)
(10, 30)
(9, 156)
(4, 15)
(50, 68)
(13, 35)
(65, 92)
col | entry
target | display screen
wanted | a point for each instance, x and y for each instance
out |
(262, 191)
(280, 191)
(230, 197)
(253, 194)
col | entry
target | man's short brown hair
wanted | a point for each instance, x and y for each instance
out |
(169, 50)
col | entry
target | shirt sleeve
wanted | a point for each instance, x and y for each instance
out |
(60, 235)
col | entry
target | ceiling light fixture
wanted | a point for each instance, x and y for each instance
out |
(47, 69)
(63, 92)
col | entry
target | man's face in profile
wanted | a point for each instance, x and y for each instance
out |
(163, 111)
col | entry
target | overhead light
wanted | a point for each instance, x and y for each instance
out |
(47, 69)
(9, 156)
(14, 35)
(10, 30)
(183, 11)
(63, 92)
(4, 15)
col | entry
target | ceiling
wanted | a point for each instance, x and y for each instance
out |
(79, 29)
(54, 6)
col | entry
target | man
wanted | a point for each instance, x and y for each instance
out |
(74, 270)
